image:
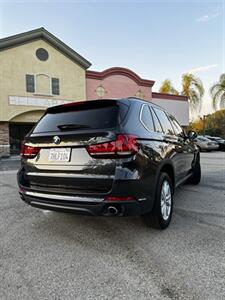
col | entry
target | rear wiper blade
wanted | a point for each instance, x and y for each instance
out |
(72, 126)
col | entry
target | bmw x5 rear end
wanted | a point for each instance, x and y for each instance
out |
(81, 158)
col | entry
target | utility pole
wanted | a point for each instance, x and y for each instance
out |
(204, 116)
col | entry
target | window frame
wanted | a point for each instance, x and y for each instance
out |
(52, 86)
(27, 77)
(38, 56)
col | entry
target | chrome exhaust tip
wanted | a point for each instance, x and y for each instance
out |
(112, 211)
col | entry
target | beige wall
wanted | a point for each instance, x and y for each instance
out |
(16, 62)
(28, 117)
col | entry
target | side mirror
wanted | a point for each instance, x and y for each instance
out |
(192, 135)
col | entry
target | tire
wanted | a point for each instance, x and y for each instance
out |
(196, 175)
(158, 218)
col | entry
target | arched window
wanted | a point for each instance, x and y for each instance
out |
(43, 84)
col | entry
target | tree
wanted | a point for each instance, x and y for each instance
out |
(218, 93)
(214, 124)
(197, 126)
(192, 87)
(167, 88)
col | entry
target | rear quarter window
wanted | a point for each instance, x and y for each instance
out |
(146, 118)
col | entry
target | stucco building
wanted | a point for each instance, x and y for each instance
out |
(120, 82)
(37, 70)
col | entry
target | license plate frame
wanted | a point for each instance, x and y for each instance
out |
(59, 155)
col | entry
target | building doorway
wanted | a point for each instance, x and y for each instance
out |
(17, 132)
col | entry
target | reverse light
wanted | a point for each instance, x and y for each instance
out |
(124, 145)
(29, 151)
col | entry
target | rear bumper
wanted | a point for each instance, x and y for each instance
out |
(81, 205)
(72, 199)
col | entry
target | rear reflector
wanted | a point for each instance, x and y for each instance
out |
(110, 198)
(124, 145)
(29, 151)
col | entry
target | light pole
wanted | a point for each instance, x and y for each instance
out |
(204, 116)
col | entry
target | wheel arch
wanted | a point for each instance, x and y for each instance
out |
(167, 167)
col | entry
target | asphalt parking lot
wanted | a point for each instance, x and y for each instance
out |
(49, 255)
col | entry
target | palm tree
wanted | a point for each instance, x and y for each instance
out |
(218, 93)
(192, 87)
(167, 88)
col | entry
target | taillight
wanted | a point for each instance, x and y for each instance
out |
(29, 151)
(124, 145)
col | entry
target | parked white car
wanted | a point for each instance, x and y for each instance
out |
(204, 144)
(220, 141)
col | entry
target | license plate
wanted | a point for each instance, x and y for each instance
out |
(60, 154)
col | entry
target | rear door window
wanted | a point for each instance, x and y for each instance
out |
(158, 127)
(176, 126)
(166, 125)
(146, 118)
(100, 116)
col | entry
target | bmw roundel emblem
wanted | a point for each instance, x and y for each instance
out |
(56, 139)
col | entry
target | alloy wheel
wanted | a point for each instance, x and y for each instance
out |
(166, 200)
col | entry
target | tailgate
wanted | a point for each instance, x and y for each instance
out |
(81, 172)
(63, 162)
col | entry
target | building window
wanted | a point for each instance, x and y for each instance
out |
(42, 84)
(42, 54)
(30, 85)
(55, 86)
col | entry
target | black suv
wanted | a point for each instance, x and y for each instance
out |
(120, 157)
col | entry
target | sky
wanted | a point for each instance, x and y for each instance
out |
(156, 39)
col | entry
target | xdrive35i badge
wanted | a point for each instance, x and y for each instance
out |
(56, 140)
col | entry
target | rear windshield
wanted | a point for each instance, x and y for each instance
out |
(83, 117)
